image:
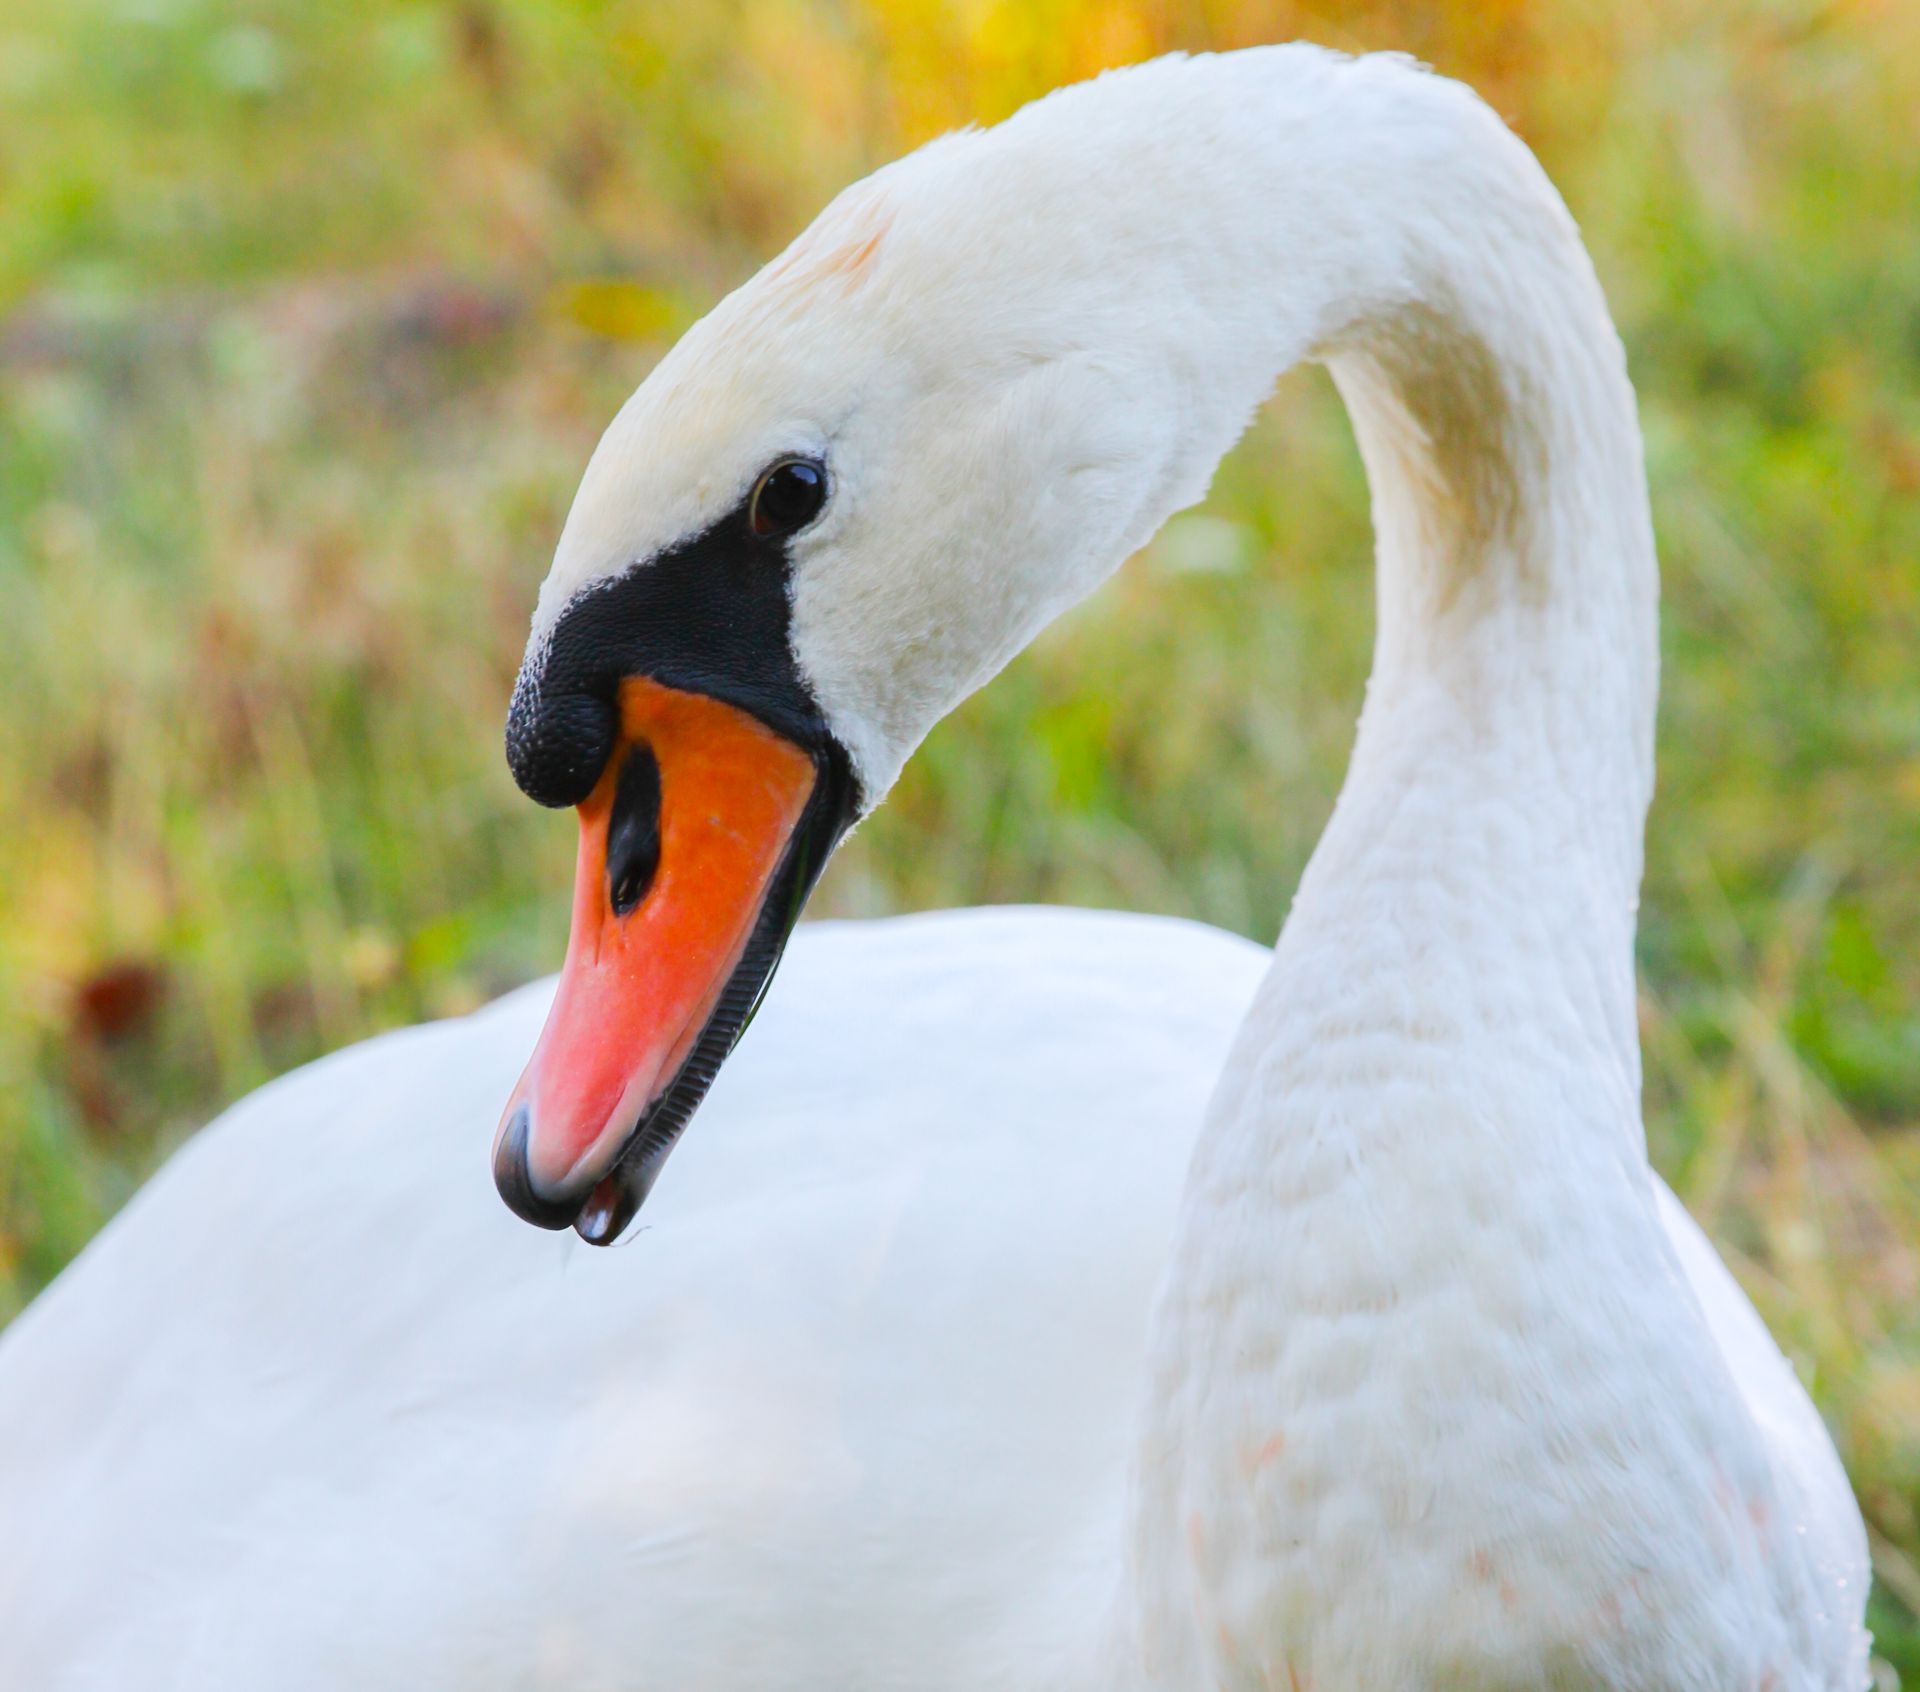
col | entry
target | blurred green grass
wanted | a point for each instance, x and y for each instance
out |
(310, 316)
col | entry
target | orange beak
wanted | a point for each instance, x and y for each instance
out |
(697, 848)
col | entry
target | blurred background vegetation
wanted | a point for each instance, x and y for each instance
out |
(309, 316)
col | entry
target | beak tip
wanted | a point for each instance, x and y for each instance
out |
(514, 1179)
(610, 1207)
(596, 1222)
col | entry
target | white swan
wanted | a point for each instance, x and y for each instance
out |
(1439, 1388)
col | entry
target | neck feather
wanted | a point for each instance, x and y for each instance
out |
(1261, 208)
(1463, 938)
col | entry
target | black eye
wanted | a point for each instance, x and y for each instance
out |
(787, 497)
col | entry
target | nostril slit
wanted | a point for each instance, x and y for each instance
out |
(633, 831)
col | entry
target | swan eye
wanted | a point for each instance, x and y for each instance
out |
(787, 497)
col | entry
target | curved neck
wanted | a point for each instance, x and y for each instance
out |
(1506, 745)
(1463, 937)
(1265, 207)
(1205, 224)
(1505, 753)
(1517, 585)
(1384, 221)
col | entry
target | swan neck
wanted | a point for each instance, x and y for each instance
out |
(1516, 579)
(1453, 994)
(1283, 205)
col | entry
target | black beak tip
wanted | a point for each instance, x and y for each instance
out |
(600, 1219)
(515, 1180)
(616, 1201)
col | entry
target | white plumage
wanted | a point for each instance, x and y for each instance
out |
(1439, 1387)
(850, 1408)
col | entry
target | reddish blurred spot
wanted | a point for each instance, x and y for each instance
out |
(447, 313)
(118, 1000)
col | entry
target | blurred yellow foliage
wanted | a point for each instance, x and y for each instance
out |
(619, 310)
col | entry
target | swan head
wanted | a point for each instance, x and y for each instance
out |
(840, 504)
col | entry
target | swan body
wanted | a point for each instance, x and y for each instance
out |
(1043, 1301)
(854, 1411)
